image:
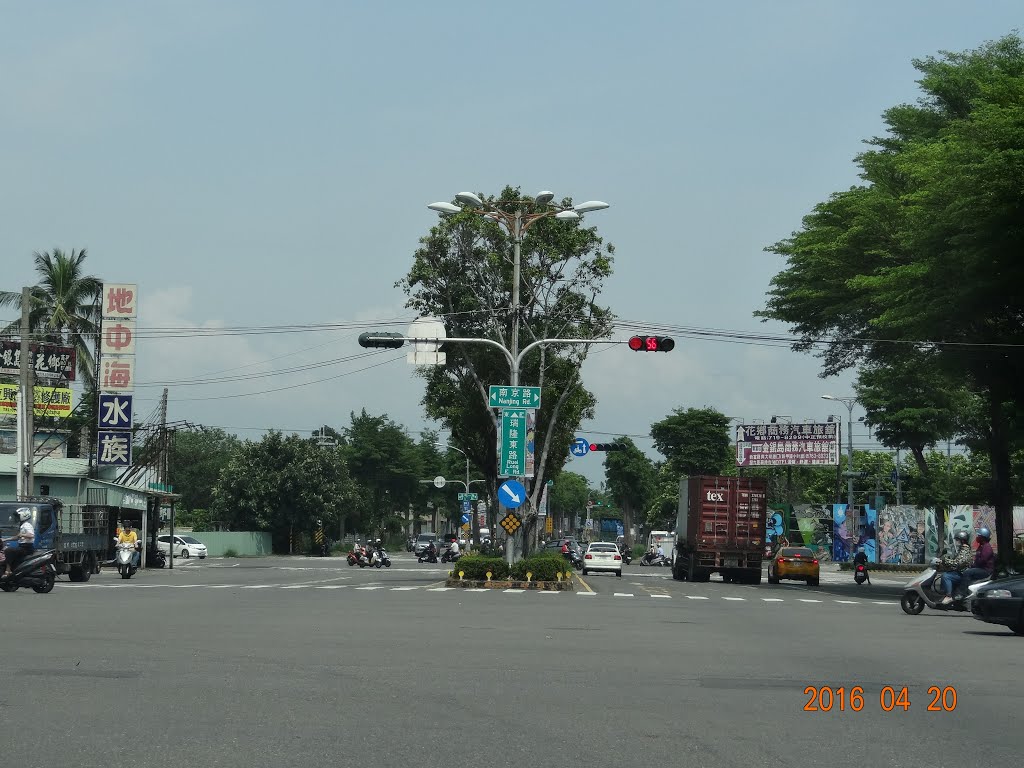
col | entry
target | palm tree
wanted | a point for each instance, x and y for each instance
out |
(65, 307)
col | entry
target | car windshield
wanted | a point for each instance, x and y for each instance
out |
(425, 537)
(796, 552)
(190, 540)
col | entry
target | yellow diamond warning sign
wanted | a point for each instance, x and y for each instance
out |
(511, 523)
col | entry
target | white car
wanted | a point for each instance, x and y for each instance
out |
(602, 556)
(184, 546)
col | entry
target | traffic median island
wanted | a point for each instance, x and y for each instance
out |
(541, 572)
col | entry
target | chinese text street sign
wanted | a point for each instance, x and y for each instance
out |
(48, 360)
(514, 397)
(468, 497)
(778, 445)
(512, 444)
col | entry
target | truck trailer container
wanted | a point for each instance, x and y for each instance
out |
(720, 528)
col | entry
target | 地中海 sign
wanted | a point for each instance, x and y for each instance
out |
(513, 397)
(114, 449)
(115, 411)
(777, 445)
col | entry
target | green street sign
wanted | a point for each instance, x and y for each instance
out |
(468, 497)
(513, 397)
(512, 447)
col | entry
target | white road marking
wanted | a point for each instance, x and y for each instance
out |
(734, 598)
(441, 589)
(402, 589)
(807, 600)
(623, 594)
(849, 602)
(506, 591)
(251, 586)
(587, 594)
(696, 597)
(375, 587)
(772, 599)
(333, 586)
(665, 596)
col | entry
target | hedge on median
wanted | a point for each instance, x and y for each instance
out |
(542, 567)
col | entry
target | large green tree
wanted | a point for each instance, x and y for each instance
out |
(197, 459)
(694, 441)
(65, 306)
(925, 253)
(463, 272)
(283, 485)
(567, 497)
(631, 481)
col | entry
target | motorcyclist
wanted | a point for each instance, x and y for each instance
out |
(984, 564)
(128, 536)
(429, 552)
(25, 543)
(955, 564)
(650, 554)
(861, 558)
(659, 552)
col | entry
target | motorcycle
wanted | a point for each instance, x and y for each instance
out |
(427, 556)
(655, 560)
(925, 590)
(860, 574)
(155, 558)
(410, 543)
(38, 570)
(124, 559)
(627, 556)
(358, 557)
(379, 557)
(450, 557)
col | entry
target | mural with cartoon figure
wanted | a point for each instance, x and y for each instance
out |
(775, 529)
(901, 535)
(841, 535)
(811, 525)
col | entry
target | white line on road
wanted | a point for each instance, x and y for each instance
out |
(666, 596)
(696, 597)
(807, 600)
(513, 590)
(296, 586)
(587, 594)
(247, 586)
(849, 602)
(402, 589)
(440, 589)
(734, 598)
(884, 602)
(772, 599)
(377, 587)
(623, 594)
(336, 586)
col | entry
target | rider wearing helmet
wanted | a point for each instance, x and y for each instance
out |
(129, 537)
(25, 544)
(955, 564)
(984, 564)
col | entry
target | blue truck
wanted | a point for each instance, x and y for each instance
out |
(80, 535)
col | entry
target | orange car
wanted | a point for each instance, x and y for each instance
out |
(798, 563)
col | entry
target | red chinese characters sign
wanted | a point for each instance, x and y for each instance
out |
(779, 445)
(119, 300)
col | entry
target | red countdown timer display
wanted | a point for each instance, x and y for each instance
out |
(652, 344)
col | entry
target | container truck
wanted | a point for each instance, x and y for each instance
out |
(80, 535)
(720, 528)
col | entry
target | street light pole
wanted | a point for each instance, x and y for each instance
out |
(849, 402)
(516, 225)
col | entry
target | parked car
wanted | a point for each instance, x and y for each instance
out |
(184, 546)
(1001, 602)
(798, 563)
(422, 541)
(602, 556)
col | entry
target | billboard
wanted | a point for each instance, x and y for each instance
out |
(780, 445)
(47, 401)
(49, 361)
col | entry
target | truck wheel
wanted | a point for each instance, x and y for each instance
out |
(78, 573)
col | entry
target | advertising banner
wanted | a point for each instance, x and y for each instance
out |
(48, 360)
(49, 401)
(779, 445)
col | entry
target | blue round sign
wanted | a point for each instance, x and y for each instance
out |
(579, 447)
(511, 494)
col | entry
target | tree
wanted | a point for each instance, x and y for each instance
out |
(385, 464)
(462, 271)
(568, 497)
(631, 478)
(197, 459)
(694, 441)
(282, 485)
(65, 307)
(925, 254)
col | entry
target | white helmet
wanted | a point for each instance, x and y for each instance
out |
(24, 514)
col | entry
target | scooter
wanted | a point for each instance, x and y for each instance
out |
(656, 560)
(427, 556)
(627, 556)
(38, 570)
(860, 574)
(124, 558)
(155, 558)
(925, 590)
(379, 557)
(450, 557)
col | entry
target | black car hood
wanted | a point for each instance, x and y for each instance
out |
(1013, 583)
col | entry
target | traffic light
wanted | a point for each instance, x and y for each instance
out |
(652, 343)
(385, 340)
(607, 446)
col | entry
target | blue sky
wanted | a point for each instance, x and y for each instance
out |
(256, 163)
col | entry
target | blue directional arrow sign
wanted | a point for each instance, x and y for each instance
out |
(579, 447)
(512, 494)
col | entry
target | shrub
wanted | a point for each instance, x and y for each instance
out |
(544, 567)
(230, 552)
(639, 550)
(475, 567)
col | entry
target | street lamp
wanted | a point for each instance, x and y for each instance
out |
(849, 402)
(467, 483)
(527, 212)
(516, 225)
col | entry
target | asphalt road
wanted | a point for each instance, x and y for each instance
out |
(308, 662)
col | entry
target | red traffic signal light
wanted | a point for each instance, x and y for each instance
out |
(652, 343)
(607, 446)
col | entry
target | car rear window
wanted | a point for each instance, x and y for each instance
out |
(797, 552)
(426, 537)
(604, 548)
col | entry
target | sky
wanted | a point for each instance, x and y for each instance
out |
(253, 165)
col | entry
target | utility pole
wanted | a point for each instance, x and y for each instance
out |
(163, 470)
(26, 400)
